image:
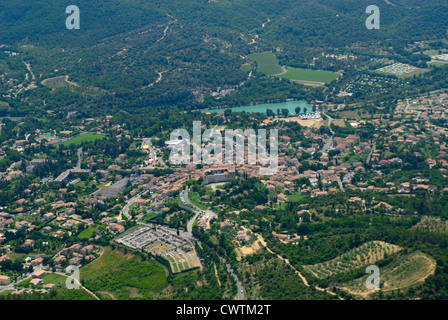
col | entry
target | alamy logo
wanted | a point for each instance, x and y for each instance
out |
(373, 21)
(73, 20)
(208, 147)
(373, 281)
(72, 281)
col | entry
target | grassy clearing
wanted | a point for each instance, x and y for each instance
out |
(415, 73)
(54, 279)
(16, 256)
(316, 76)
(148, 217)
(87, 233)
(125, 276)
(246, 67)
(267, 62)
(84, 138)
(194, 198)
(366, 254)
(296, 197)
(438, 63)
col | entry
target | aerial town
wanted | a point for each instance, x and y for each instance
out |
(61, 219)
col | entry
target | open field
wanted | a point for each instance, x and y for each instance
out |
(316, 123)
(247, 250)
(353, 114)
(267, 63)
(403, 272)
(54, 278)
(312, 77)
(366, 254)
(83, 138)
(194, 199)
(148, 217)
(313, 84)
(123, 276)
(88, 232)
(295, 197)
(437, 63)
(246, 67)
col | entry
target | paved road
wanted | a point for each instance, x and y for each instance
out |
(211, 215)
(152, 151)
(407, 106)
(197, 211)
(128, 205)
(239, 286)
(78, 164)
(340, 183)
(28, 66)
(329, 142)
(371, 152)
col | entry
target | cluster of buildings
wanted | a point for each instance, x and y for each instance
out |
(423, 108)
(286, 238)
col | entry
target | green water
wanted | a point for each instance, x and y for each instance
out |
(290, 105)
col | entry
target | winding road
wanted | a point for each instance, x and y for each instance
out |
(198, 211)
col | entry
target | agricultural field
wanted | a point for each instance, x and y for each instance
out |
(366, 254)
(308, 76)
(432, 224)
(403, 272)
(267, 62)
(58, 82)
(83, 138)
(246, 67)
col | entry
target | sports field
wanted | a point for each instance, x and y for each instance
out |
(84, 138)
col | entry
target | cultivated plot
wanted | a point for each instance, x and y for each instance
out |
(366, 254)
(404, 272)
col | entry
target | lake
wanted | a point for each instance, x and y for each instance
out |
(290, 105)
